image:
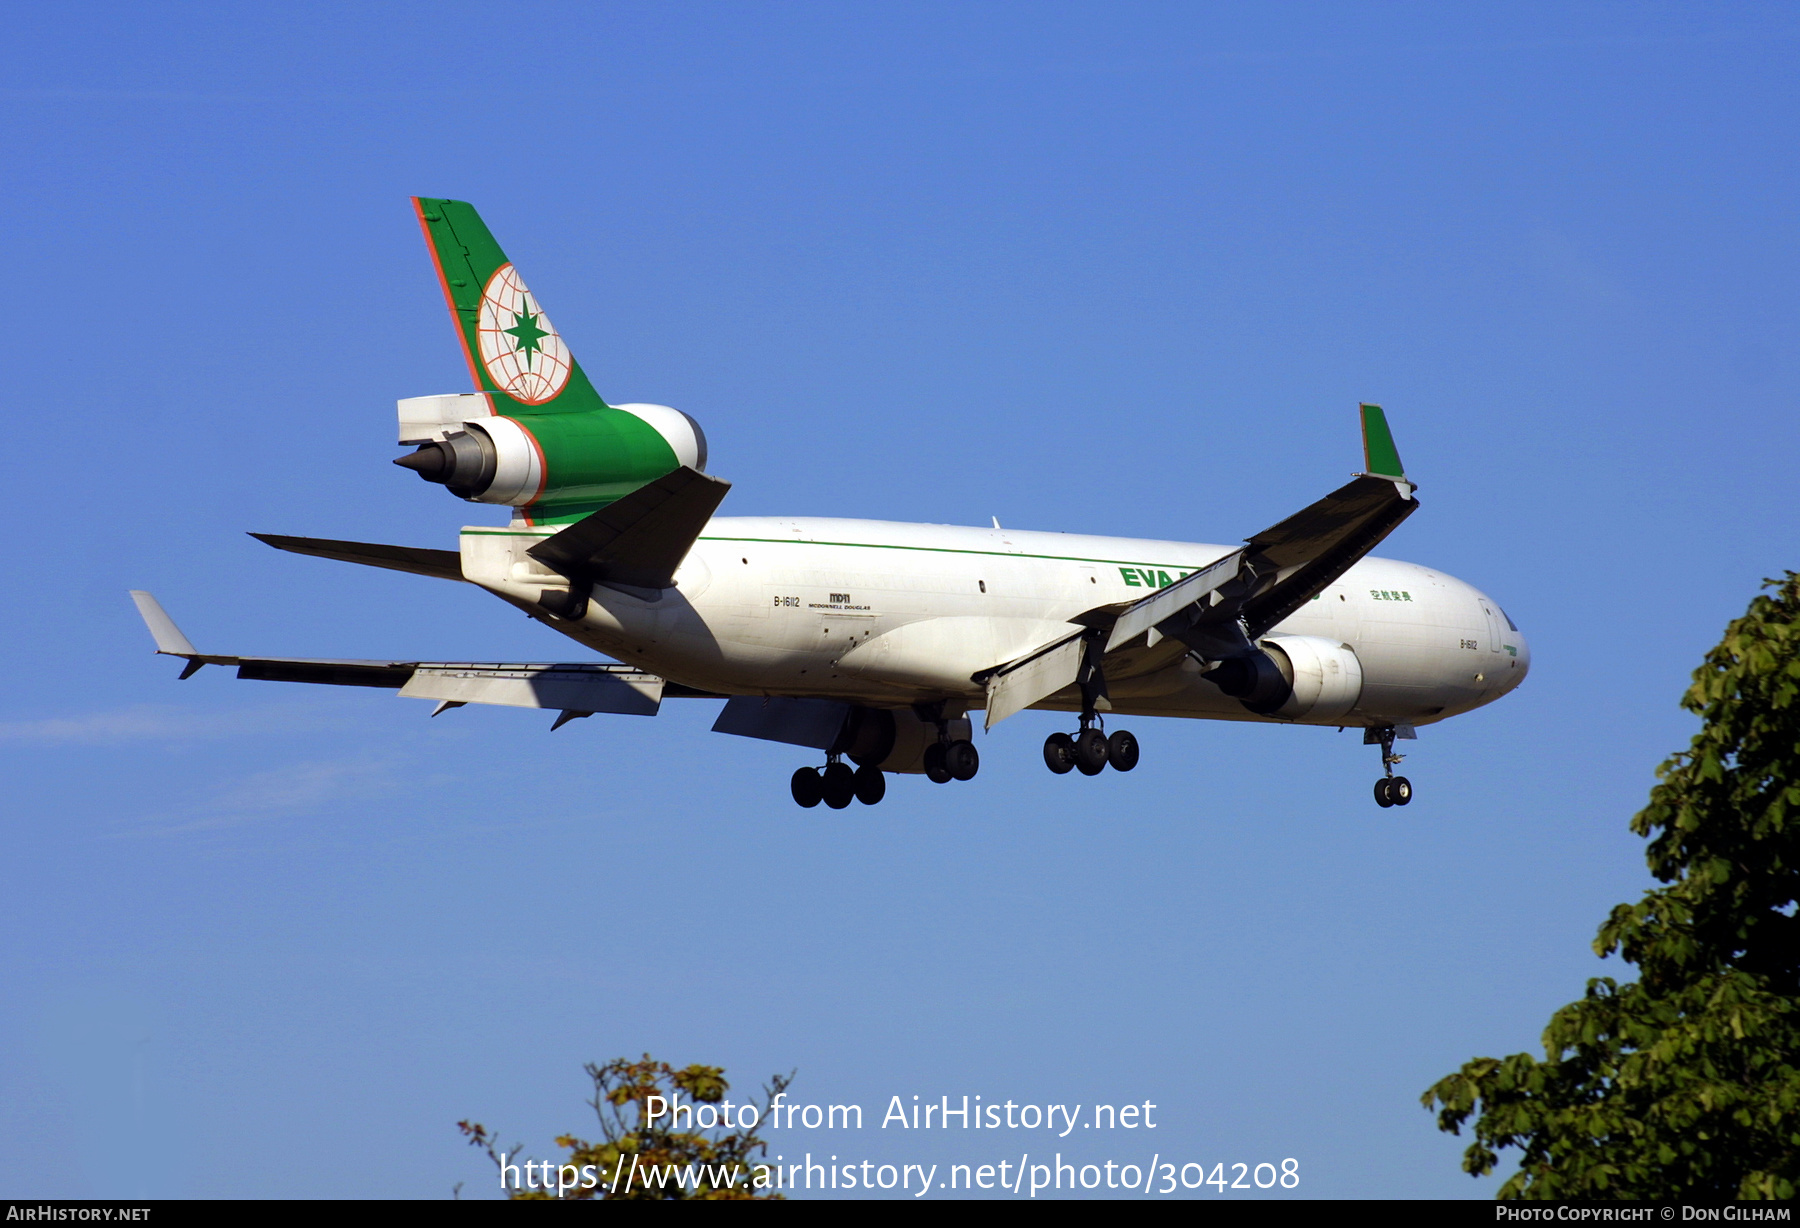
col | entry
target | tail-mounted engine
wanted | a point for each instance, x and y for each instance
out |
(545, 462)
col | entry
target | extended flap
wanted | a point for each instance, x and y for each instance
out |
(798, 722)
(1024, 682)
(581, 688)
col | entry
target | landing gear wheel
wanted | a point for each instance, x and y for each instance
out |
(1059, 753)
(962, 760)
(1390, 790)
(871, 785)
(1122, 750)
(936, 770)
(806, 787)
(838, 785)
(1090, 752)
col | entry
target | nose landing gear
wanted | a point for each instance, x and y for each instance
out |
(1390, 790)
(1393, 791)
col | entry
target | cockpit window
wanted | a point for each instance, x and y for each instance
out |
(1508, 618)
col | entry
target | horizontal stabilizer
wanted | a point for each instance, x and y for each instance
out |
(639, 540)
(441, 564)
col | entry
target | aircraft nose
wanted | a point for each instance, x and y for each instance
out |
(1517, 648)
(1510, 657)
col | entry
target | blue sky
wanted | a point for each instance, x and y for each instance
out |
(1115, 269)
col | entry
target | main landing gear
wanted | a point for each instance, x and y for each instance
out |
(1390, 790)
(1090, 750)
(837, 785)
(948, 761)
(951, 757)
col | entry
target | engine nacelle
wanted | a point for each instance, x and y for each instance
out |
(892, 739)
(1293, 676)
(1324, 677)
(680, 431)
(574, 461)
(1257, 681)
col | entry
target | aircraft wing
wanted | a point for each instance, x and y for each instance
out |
(576, 689)
(1220, 611)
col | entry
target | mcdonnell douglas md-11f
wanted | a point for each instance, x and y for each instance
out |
(872, 642)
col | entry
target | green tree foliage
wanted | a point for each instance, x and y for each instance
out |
(1682, 1083)
(640, 1154)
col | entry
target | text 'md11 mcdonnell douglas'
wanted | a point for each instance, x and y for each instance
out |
(868, 641)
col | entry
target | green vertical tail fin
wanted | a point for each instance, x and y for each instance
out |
(566, 452)
(512, 348)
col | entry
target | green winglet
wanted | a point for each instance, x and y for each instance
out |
(1380, 457)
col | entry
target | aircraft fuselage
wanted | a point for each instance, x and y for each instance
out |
(887, 614)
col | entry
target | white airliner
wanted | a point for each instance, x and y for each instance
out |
(871, 641)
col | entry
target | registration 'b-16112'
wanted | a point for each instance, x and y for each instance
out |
(873, 642)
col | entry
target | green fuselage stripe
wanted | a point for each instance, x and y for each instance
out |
(784, 541)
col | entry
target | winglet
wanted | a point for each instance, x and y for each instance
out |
(1380, 458)
(169, 640)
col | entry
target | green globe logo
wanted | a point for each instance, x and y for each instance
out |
(519, 347)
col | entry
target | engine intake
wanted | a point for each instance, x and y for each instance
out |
(1257, 681)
